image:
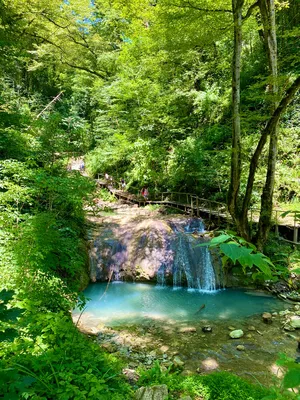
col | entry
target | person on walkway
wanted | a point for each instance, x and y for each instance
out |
(82, 165)
(146, 193)
(123, 184)
(106, 176)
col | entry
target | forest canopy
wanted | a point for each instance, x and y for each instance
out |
(197, 96)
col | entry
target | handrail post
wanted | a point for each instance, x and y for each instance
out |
(197, 205)
(276, 224)
(295, 235)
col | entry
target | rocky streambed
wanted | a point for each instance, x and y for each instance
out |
(248, 348)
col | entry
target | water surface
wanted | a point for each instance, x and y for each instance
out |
(133, 303)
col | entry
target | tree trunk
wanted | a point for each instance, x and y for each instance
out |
(235, 177)
(267, 10)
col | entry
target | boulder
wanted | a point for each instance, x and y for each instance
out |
(295, 322)
(159, 392)
(238, 333)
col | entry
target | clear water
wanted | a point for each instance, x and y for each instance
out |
(134, 303)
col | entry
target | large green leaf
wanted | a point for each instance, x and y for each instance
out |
(261, 262)
(218, 240)
(292, 378)
(232, 250)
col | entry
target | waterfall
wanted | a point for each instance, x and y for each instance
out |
(161, 276)
(192, 265)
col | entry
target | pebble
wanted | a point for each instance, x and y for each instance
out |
(238, 333)
(240, 347)
(178, 362)
(251, 328)
(187, 329)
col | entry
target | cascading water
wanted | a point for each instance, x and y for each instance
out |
(192, 264)
(161, 276)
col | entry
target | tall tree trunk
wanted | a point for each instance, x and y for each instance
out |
(235, 178)
(267, 11)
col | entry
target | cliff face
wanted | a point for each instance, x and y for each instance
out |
(161, 249)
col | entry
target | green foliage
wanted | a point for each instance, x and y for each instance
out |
(237, 249)
(8, 316)
(60, 362)
(220, 385)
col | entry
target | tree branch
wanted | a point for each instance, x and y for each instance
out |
(285, 101)
(188, 4)
(250, 10)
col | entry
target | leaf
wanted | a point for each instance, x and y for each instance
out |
(234, 251)
(292, 378)
(261, 262)
(6, 295)
(224, 260)
(219, 239)
(284, 214)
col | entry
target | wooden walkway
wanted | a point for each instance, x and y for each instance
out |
(210, 210)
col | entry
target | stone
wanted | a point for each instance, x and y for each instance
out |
(267, 318)
(240, 347)
(131, 375)
(207, 329)
(238, 333)
(283, 313)
(163, 349)
(297, 307)
(251, 328)
(109, 347)
(274, 314)
(209, 364)
(158, 392)
(178, 362)
(288, 328)
(295, 321)
(249, 336)
(231, 328)
(187, 329)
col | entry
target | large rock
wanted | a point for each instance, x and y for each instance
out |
(159, 392)
(238, 333)
(151, 249)
(295, 322)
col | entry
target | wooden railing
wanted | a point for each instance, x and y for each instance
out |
(195, 205)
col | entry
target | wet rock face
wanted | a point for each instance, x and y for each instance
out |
(162, 250)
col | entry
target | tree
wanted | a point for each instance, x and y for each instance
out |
(238, 209)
